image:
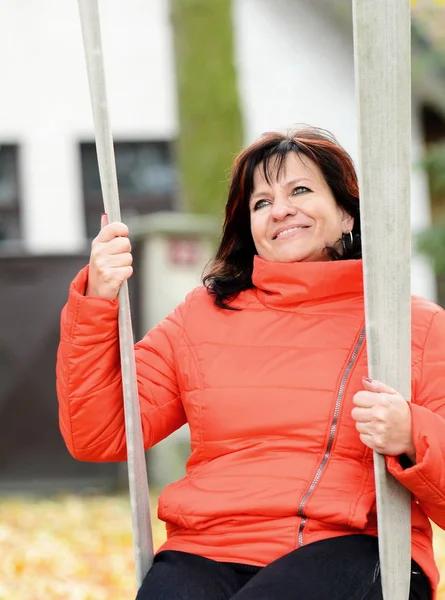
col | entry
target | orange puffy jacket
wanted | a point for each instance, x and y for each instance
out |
(276, 461)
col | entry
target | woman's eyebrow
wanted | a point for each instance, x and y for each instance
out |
(296, 181)
(259, 194)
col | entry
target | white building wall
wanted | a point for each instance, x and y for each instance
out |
(45, 107)
(295, 66)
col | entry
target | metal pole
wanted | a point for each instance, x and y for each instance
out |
(137, 471)
(383, 78)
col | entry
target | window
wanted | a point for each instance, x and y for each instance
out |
(9, 194)
(146, 177)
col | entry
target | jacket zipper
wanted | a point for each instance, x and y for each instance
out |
(334, 424)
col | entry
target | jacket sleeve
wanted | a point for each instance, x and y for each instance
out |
(426, 479)
(89, 386)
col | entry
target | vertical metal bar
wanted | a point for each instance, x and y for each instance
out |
(137, 472)
(382, 41)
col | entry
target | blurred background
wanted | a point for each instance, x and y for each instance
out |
(189, 83)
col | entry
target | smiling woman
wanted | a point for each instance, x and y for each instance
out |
(267, 365)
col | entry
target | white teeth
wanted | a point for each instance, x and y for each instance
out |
(286, 231)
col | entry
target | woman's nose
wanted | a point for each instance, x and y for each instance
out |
(282, 207)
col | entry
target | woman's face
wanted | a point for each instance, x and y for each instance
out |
(295, 217)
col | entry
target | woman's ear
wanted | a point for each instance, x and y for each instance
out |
(347, 222)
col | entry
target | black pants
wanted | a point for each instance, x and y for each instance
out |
(342, 568)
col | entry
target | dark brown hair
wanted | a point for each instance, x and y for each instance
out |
(230, 272)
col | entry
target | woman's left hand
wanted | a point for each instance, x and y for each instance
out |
(383, 419)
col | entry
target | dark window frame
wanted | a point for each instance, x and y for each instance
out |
(14, 207)
(145, 202)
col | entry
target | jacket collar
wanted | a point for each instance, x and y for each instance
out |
(288, 285)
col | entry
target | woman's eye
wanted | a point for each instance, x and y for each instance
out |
(260, 204)
(301, 189)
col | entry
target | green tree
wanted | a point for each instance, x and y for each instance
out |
(209, 113)
(431, 242)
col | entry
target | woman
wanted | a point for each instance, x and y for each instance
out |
(267, 364)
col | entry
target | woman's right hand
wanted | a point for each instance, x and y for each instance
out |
(110, 260)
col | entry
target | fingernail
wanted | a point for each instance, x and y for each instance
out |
(367, 379)
(104, 214)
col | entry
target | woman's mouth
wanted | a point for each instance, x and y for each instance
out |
(290, 231)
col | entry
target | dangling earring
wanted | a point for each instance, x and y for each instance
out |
(349, 239)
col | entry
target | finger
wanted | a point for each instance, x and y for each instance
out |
(361, 415)
(114, 277)
(367, 440)
(363, 428)
(364, 399)
(374, 385)
(113, 230)
(117, 245)
(124, 273)
(103, 220)
(374, 443)
(120, 260)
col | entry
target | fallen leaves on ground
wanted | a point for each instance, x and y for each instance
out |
(80, 548)
(72, 548)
